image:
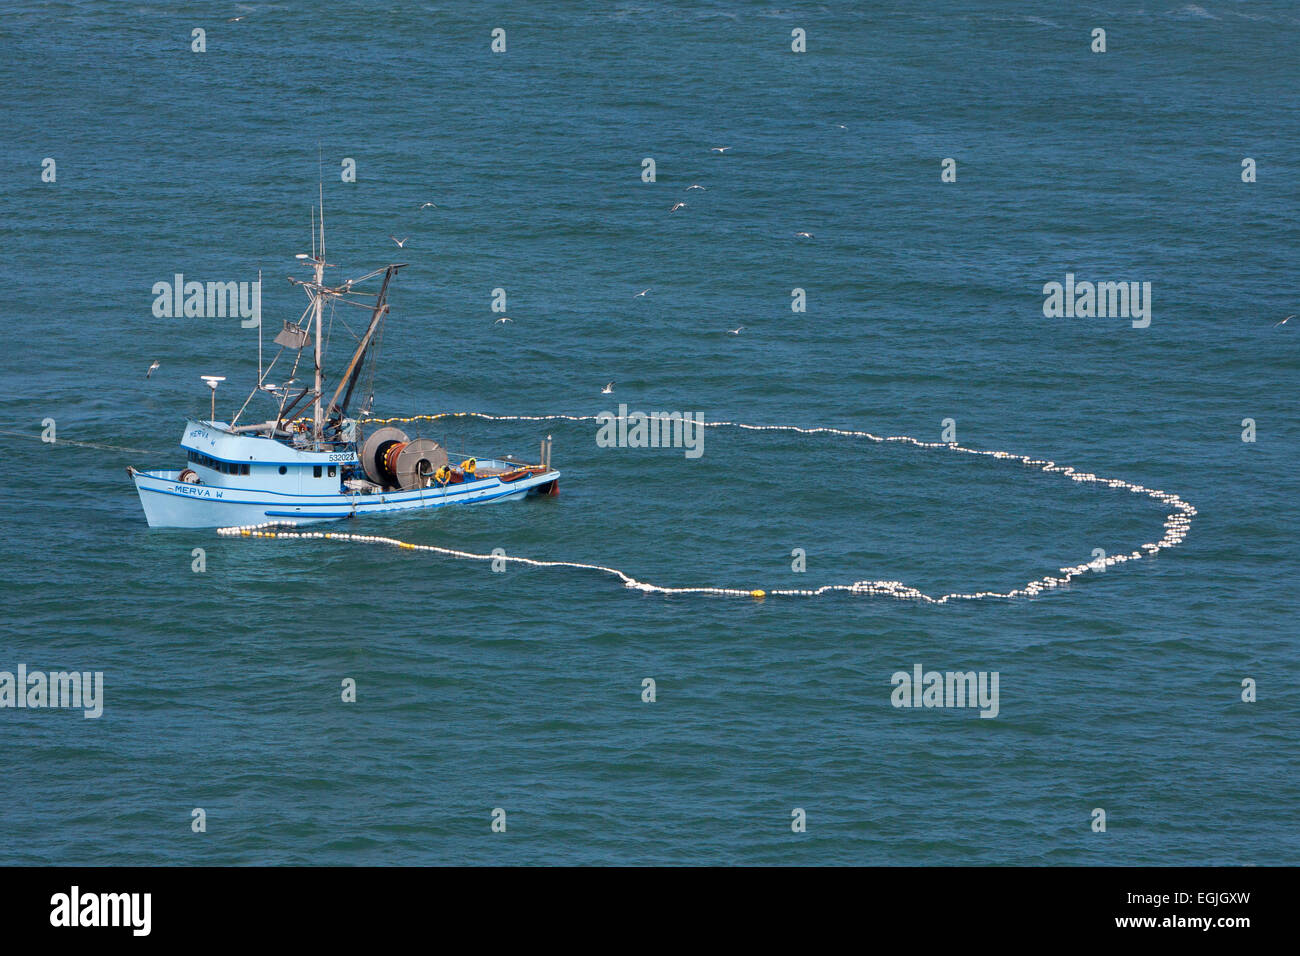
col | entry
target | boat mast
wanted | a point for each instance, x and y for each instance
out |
(318, 416)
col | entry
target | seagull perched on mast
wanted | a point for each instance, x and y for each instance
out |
(153, 367)
(401, 243)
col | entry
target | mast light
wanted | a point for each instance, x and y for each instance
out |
(213, 381)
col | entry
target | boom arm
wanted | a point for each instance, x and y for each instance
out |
(353, 372)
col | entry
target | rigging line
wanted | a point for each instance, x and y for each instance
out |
(261, 379)
(271, 366)
(330, 330)
(372, 361)
(1177, 524)
(284, 396)
(343, 322)
(82, 444)
(339, 300)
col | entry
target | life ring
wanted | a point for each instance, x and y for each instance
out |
(189, 476)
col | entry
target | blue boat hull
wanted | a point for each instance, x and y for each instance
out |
(171, 503)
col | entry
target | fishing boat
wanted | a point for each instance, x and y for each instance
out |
(295, 468)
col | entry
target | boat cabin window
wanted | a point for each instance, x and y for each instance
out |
(225, 467)
(316, 471)
(284, 470)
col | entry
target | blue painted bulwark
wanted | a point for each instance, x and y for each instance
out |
(248, 479)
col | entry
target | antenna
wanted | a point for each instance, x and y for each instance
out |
(213, 381)
(320, 187)
(259, 328)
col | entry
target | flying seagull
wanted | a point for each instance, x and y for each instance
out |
(735, 331)
(401, 243)
(803, 235)
(503, 319)
(641, 294)
(237, 19)
(677, 206)
(152, 368)
(693, 186)
(719, 149)
(428, 204)
(608, 389)
(1275, 324)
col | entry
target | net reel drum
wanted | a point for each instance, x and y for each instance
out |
(392, 459)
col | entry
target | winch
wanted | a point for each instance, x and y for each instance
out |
(394, 460)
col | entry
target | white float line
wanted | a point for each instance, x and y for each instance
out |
(1176, 524)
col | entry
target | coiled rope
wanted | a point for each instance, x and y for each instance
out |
(1176, 524)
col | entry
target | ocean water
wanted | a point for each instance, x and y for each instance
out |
(522, 690)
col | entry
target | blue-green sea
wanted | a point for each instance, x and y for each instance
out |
(523, 690)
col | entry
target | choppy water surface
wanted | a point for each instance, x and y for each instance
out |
(522, 690)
